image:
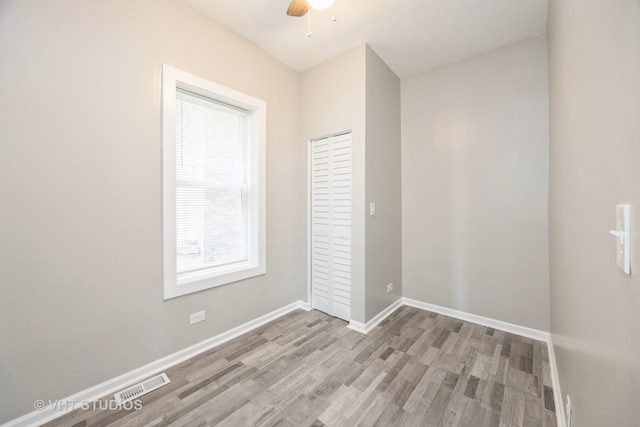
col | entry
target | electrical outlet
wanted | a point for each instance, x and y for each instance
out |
(197, 317)
(389, 287)
(569, 411)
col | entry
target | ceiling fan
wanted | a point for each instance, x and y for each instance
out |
(301, 7)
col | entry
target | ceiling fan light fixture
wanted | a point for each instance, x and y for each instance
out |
(321, 4)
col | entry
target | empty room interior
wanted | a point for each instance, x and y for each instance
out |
(320, 212)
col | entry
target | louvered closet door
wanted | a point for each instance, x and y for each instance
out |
(331, 225)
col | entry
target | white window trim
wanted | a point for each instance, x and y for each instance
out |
(172, 79)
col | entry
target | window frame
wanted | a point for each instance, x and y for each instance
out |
(190, 282)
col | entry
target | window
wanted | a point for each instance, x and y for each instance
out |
(213, 184)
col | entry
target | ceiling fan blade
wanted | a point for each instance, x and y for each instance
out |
(298, 8)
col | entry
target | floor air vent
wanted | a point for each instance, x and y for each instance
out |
(143, 388)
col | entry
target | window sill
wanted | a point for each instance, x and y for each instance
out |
(187, 284)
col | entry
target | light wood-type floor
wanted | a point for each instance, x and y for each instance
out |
(416, 368)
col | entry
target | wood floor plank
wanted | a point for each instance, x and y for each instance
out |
(532, 412)
(416, 368)
(364, 399)
(345, 397)
(512, 414)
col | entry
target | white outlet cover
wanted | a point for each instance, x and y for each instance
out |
(197, 317)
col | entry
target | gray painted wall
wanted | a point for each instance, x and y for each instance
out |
(594, 58)
(80, 190)
(474, 185)
(357, 91)
(333, 100)
(384, 230)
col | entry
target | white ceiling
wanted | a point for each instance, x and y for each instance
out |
(411, 36)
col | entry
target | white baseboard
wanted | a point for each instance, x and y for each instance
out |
(303, 305)
(50, 412)
(111, 386)
(357, 326)
(555, 381)
(365, 328)
(480, 320)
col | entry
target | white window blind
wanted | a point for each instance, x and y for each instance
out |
(212, 190)
(213, 184)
